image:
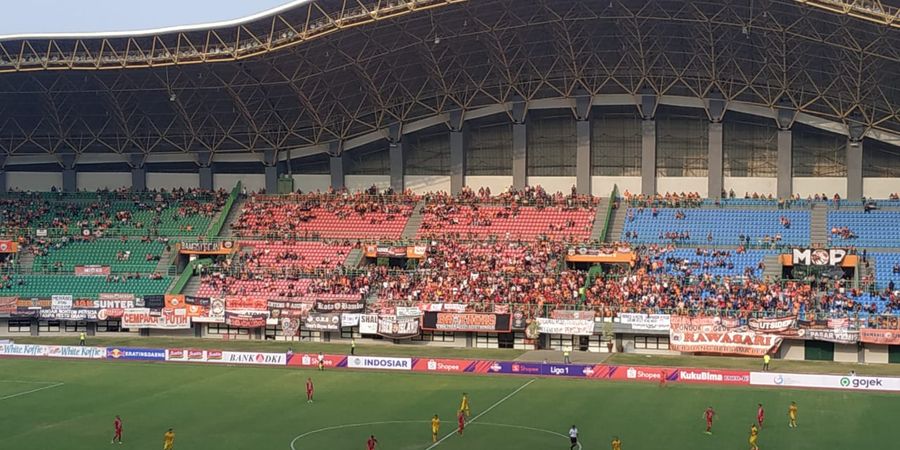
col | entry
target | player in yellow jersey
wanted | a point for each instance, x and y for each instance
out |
(464, 405)
(754, 435)
(616, 443)
(435, 427)
(792, 414)
(169, 440)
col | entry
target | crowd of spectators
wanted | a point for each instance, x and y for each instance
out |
(667, 200)
(308, 215)
(106, 209)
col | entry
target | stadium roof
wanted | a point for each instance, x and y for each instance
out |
(53, 19)
(344, 71)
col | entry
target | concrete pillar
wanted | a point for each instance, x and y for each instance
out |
(271, 179)
(784, 171)
(270, 159)
(395, 149)
(69, 180)
(456, 123)
(648, 157)
(3, 187)
(715, 176)
(337, 171)
(138, 179)
(396, 156)
(519, 153)
(206, 178)
(583, 157)
(520, 144)
(856, 132)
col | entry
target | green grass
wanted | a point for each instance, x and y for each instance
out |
(231, 408)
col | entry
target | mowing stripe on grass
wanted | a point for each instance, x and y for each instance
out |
(541, 430)
(485, 411)
(31, 391)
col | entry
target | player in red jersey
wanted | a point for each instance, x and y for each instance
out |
(309, 390)
(117, 424)
(709, 414)
(371, 443)
(760, 415)
(461, 419)
(662, 378)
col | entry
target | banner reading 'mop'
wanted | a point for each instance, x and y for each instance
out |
(709, 335)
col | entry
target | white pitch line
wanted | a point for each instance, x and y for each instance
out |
(352, 425)
(529, 429)
(31, 391)
(391, 422)
(485, 412)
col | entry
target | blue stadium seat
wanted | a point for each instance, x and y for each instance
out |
(725, 225)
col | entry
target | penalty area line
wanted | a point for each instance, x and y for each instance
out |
(32, 391)
(496, 404)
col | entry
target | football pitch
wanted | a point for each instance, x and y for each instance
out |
(51, 404)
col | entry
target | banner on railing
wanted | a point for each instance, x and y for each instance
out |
(279, 309)
(777, 325)
(215, 313)
(645, 322)
(245, 303)
(395, 251)
(709, 335)
(408, 311)
(7, 246)
(323, 321)
(879, 336)
(92, 271)
(395, 327)
(466, 322)
(74, 315)
(836, 335)
(151, 301)
(571, 314)
(206, 248)
(8, 306)
(562, 326)
(246, 319)
(61, 301)
(350, 320)
(368, 324)
(171, 319)
(36, 303)
(338, 306)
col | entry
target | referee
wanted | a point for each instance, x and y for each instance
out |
(573, 437)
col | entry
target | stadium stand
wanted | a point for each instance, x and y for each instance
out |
(863, 229)
(730, 227)
(356, 216)
(44, 286)
(128, 255)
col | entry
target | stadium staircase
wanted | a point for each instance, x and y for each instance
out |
(818, 225)
(192, 286)
(773, 267)
(233, 216)
(616, 224)
(414, 223)
(599, 220)
(26, 261)
(353, 258)
(165, 261)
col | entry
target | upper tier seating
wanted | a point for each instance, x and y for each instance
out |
(174, 213)
(292, 256)
(86, 287)
(861, 229)
(507, 222)
(63, 255)
(337, 217)
(724, 226)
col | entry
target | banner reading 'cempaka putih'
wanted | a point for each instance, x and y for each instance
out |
(708, 335)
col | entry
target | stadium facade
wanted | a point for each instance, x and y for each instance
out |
(774, 97)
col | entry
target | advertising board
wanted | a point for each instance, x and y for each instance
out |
(379, 362)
